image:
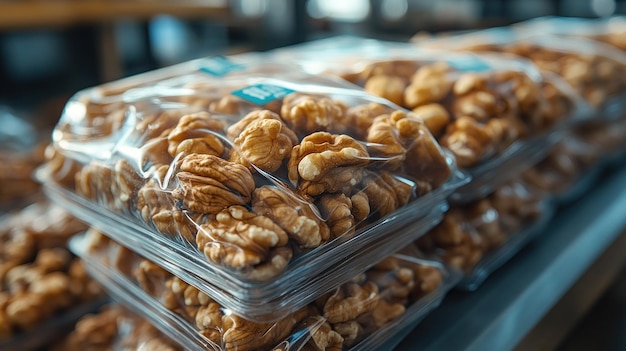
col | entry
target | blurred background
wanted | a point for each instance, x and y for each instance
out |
(49, 49)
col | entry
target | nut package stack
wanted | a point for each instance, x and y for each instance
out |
(263, 189)
(496, 115)
(43, 287)
(358, 315)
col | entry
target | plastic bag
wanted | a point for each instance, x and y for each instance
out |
(596, 71)
(495, 115)
(254, 184)
(362, 309)
(477, 238)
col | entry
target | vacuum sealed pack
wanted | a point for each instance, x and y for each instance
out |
(252, 184)
(359, 315)
(479, 237)
(495, 115)
(594, 70)
(43, 287)
(574, 164)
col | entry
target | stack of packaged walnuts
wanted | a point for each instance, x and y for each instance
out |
(260, 206)
(297, 200)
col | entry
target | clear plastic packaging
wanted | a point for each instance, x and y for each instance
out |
(358, 315)
(595, 70)
(43, 287)
(575, 163)
(609, 30)
(253, 184)
(114, 328)
(479, 237)
(496, 116)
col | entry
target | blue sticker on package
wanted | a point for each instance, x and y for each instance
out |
(262, 94)
(219, 66)
(469, 64)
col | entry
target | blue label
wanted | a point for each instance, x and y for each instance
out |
(469, 64)
(219, 66)
(262, 94)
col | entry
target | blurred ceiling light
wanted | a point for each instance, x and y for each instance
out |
(603, 7)
(393, 10)
(339, 10)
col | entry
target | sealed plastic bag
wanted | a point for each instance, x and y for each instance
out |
(596, 71)
(253, 184)
(360, 314)
(477, 238)
(497, 116)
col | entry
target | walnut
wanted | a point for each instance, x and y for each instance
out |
(361, 117)
(209, 316)
(429, 84)
(322, 155)
(235, 130)
(193, 135)
(150, 277)
(18, 246)
(54, 289)
(154, 153)
(278, 260)
(94, 181)
(60, 168)
(469, 141)
(434, 116)
(239, 238)
(227, 105)
(177, 223)
(386, 193)
(94, 332)
(19, 278)
(208, 184)
(154, 125)
(387, 87)
(350, 331)
(382, 314)
(52, 259)
(350, 301)
(156, 207)
(428, 279)
(126, 182)
(395, 280)
(337, 210)
(450, 241)
(323, 337)
(398, 68)
(306, 114)
(26, 310)
(404, 141)
(242, 335)
(294, 215)
(264, 144)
